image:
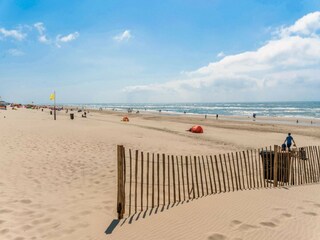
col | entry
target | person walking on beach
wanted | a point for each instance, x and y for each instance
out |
(289, 140)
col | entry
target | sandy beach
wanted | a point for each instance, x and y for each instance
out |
(58, 178)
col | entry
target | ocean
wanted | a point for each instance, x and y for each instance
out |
(268, 109)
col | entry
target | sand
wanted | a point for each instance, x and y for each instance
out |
(58, 178)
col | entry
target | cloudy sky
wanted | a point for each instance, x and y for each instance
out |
(166, 51)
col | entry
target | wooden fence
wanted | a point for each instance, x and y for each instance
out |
(150, 180)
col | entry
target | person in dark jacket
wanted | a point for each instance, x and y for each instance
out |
(289, 140)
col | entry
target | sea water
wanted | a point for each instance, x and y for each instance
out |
(268, 109)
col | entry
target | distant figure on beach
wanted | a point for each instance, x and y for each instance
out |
(160, 111)
(184, 112)
(289, 140)
(297, 121)
(254, 116)
(205, 116)
(217, 116)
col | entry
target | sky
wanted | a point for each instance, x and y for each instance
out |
(112, 51)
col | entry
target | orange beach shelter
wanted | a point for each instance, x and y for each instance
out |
(125, 119)
(196, 129)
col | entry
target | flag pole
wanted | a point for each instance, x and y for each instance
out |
(55, 116)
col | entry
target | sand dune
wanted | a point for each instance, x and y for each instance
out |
(58, 179)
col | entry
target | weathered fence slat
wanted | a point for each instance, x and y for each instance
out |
(178, 172)
(275, 170)
(224, 181)
(242, 171)
(249, 168)
(231, 175)
(152, 203)
(158, 179)
(213, 175)
(173, 180)
(187, 173)
(164, 178)
(234, 171)
(238, 168)
(141, 181)
(192, 180)
(169, 187)
(196, 175)
(148, 180)
(136, 184)
(209, 174)
(130, 178)
(120, 182)
(218, 175)
(183, 186)
(227, 174)
(205, 175)
(200, 176)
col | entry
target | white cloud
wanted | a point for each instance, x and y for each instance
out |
(43, 39)
(125, 36)
(288, 63)
(40, 27)
(15, 52)
(67, 38)
(220, 55)
(307, 25)
(15, 34)
(42, 32)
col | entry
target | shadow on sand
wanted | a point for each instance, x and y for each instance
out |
(141, 215)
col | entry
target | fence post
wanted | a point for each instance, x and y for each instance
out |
(275, 168)
(121, 187)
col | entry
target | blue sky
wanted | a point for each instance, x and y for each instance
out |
(164, 51)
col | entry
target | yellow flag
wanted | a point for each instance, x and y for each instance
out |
(52, 96)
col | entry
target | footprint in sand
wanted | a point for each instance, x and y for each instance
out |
(317, 205)
(85, 212)
(269, 224)
(235, 223)
(4, 231)
(277, 209)
(310, 213)
(287, 215)
(26, 227)
(19, 238)
(217, 236)
(83, 225)
(26, 201)
(5, 211)
(247, 227)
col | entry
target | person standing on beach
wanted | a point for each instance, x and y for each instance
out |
(289, 140)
